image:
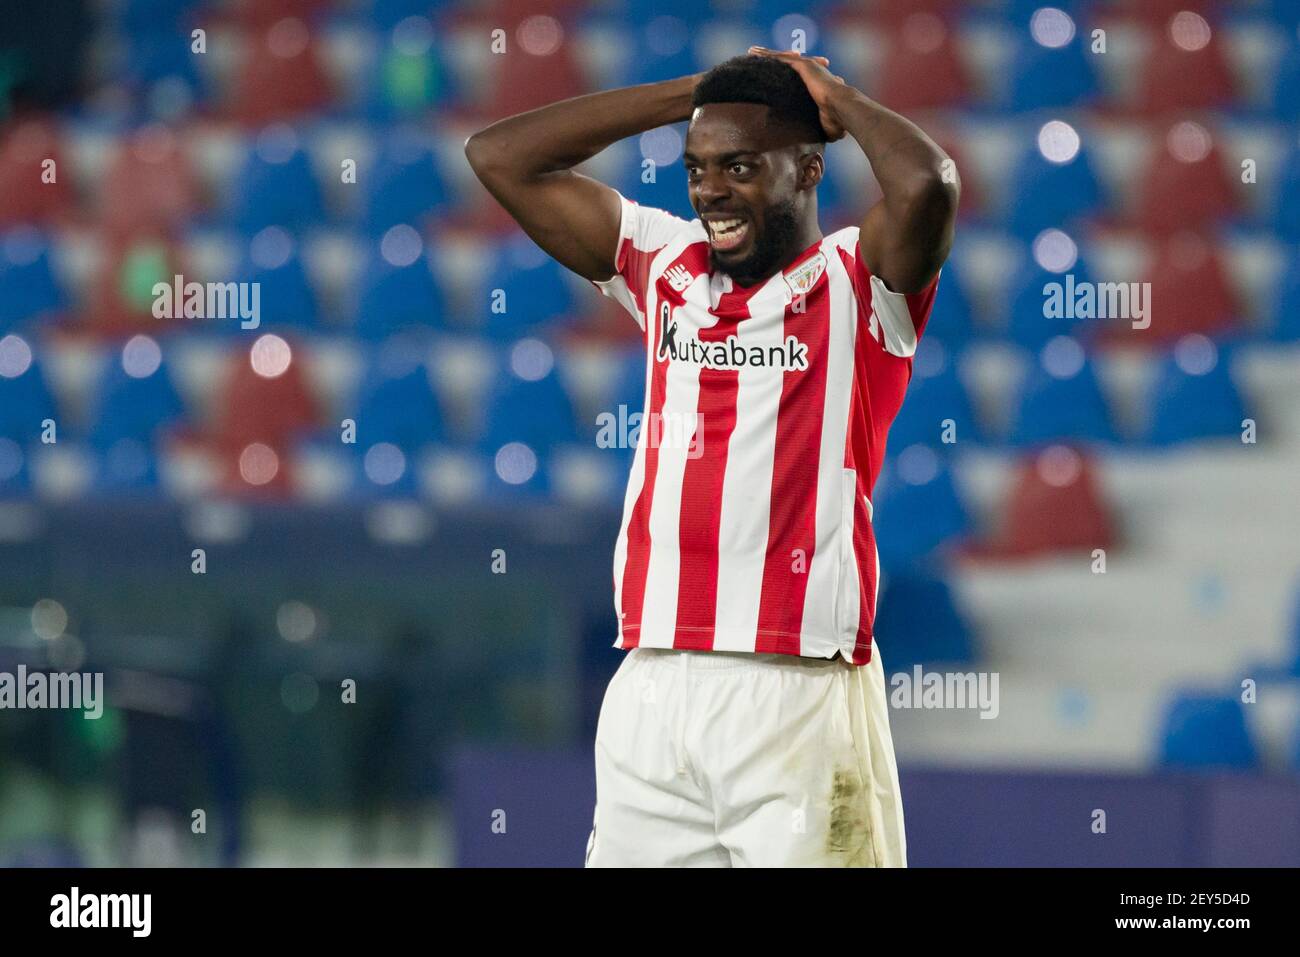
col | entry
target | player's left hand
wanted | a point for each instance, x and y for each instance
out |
(822, 85)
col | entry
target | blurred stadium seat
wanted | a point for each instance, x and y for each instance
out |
(1205, 731)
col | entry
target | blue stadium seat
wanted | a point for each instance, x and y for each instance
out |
(668, 191)
(126, 466)
(625, 403)
(1286, 313)
(1019, 11)
(25, 402)
(130, 408)
(1049, 194)
(629, 381)
(1060, 402)
(1284, 99)
(152, 14)
(15, 478)
(1286, 204)
(280, 191)
(1206, 731)
(384, 470)
(401, 409)
(661, 49)
(155, 56)
(1046, 77)
(1187, 406)
(28, 288)
(1027, 325)
(518, 472)
(392, 297)
(286, 298)
(916, 507)
(951, 317)
(917, 622)
(834, 203)
(643, 11)
(388, 13)
(404, 185)
(535, 290)
(538, 413)
(934, 395)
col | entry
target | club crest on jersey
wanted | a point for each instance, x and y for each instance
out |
(790, 356)
(803, 277)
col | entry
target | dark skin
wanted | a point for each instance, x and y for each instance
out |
(739, 165)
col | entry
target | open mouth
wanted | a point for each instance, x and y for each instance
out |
(727, 234)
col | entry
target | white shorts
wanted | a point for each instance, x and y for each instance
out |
(729, 759)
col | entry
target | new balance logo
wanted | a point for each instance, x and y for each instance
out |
(679, 277)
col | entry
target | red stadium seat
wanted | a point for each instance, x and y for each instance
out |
(264, 13)
(1054, 505)
(282, 77)
(150, 185)
(524, 80)
(922, 69)
(1189, 293)
(252, 407)
(1186, 68)
(896, 11)
(1189, 290)
(25, 197)
(1186, 186)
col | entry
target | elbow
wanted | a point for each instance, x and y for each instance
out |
(934, 196)
(476, 151)
(483, 155)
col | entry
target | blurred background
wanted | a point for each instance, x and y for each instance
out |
(396, 478)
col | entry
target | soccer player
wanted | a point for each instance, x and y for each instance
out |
(748, 723)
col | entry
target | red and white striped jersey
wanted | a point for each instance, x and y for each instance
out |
(747, 520)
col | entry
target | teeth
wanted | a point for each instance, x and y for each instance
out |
(727, 233)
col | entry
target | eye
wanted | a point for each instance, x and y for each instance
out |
(740, 169)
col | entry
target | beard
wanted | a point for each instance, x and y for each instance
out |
(772, 248)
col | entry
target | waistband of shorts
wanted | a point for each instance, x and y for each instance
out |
(732, 660)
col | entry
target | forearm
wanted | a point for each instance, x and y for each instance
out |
(562, 135)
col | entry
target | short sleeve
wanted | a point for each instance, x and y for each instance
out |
(896, 320)
(643, 233)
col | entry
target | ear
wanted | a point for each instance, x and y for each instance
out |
(812, 167)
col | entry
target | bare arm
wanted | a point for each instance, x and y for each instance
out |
(906, 236)
(526, 162)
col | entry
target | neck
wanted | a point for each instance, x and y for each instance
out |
(809, 233)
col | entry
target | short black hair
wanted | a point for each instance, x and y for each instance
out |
(767, 81)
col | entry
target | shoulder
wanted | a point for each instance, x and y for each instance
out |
(649, 227)
(843, 242)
